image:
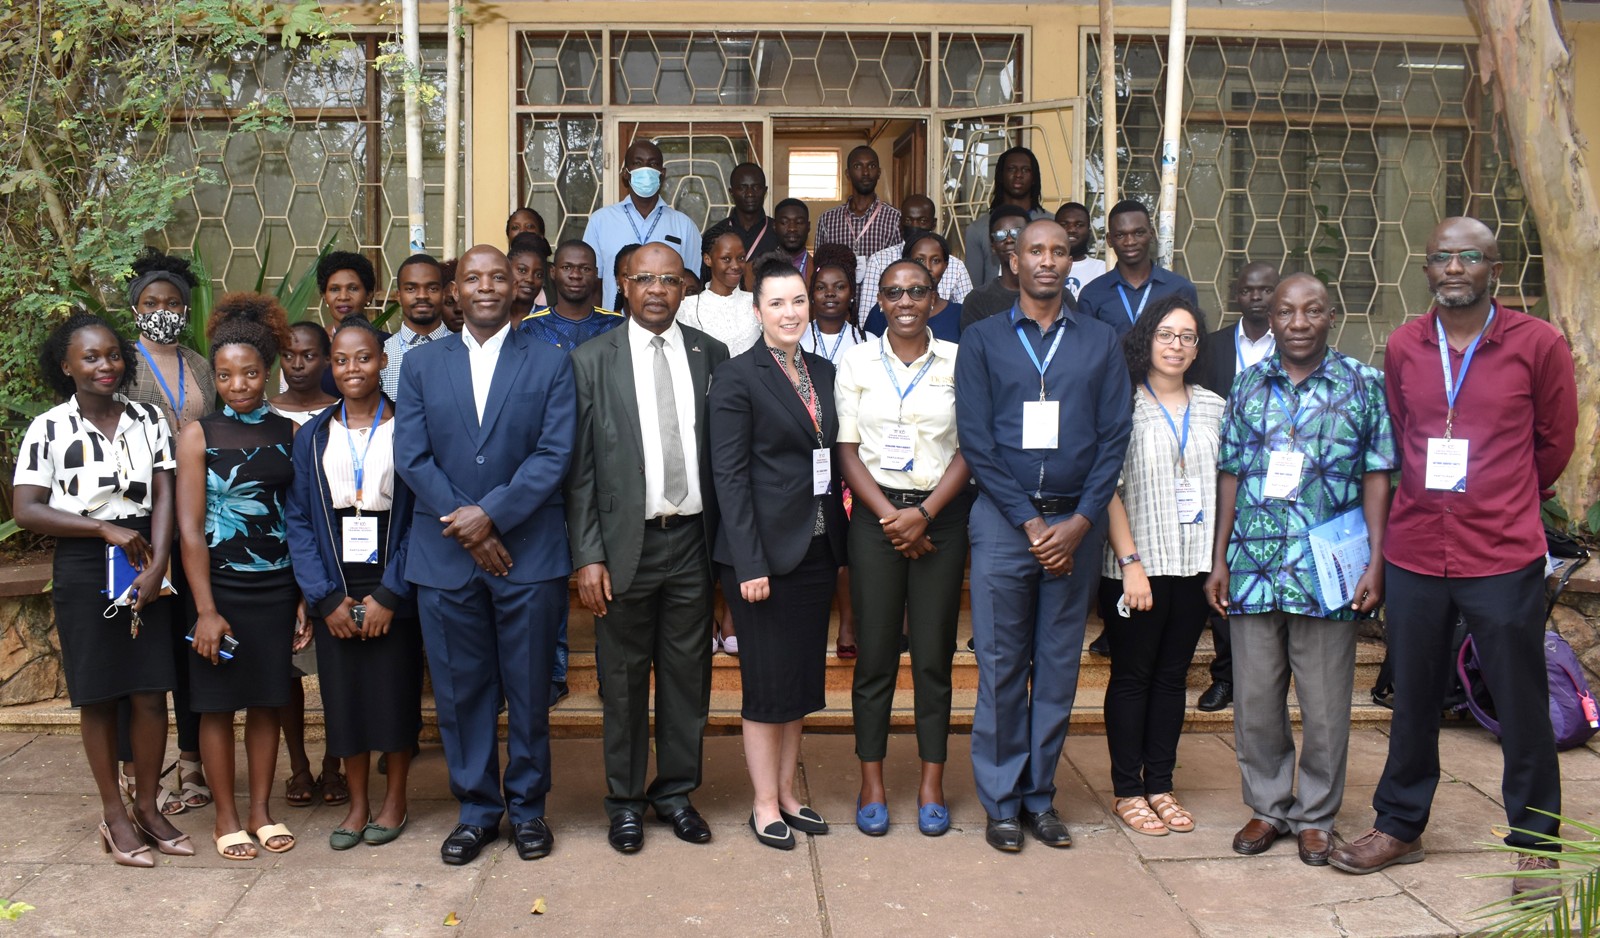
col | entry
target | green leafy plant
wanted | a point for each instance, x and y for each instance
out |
(1570, 910)
(1585, 528)
(11, 911)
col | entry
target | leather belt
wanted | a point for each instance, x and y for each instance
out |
(668, 522)
(1058, 505)
(905, 498)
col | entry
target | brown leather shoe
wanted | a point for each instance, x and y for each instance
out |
(1534, 887)
(1374, 851)
(1315, 846)
(1255, 837)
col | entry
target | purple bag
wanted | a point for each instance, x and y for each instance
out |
(1573, 714)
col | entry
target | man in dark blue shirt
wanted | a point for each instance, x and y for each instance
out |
(1119, 295)
(570, 321)
(1044, 411)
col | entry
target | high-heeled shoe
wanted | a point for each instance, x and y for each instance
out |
(139, 856)
(179, 846)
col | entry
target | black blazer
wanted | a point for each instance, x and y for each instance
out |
(605, 486)
(761, 443)
(1219, 360)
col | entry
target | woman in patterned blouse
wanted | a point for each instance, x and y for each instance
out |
(97, 473)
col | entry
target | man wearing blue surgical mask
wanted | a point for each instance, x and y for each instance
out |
(642, 216)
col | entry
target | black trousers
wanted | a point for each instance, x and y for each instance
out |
(1150, 655)
(661, 623)
(1505, 617)
(1222, 664)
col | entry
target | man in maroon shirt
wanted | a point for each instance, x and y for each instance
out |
(1483, 432)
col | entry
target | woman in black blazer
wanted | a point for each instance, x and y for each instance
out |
(781, 541)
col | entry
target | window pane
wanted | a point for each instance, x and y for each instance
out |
(560, 170)
(814, 174)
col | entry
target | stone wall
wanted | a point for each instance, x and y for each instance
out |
(30, 653)
(1577, 618)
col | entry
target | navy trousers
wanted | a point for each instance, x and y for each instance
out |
(489, 640)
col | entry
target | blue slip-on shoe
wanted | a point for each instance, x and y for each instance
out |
(933, 819)
(872, 819)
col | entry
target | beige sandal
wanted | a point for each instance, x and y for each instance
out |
(266, 832)
(1172, 813)
(1136, 814)
(235, 839)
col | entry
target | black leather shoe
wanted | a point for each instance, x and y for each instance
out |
(627, 832)
(466, 842)
(777, 834)
(1218, 696)
(687, 824)
(1102, 645)
(558, 692)
(533, 839)
(1048, 828)
(1004, 834)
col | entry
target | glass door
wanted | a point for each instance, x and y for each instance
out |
(698, 157)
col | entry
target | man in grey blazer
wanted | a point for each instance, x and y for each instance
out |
(641, 519)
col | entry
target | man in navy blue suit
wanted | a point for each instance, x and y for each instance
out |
(485, 448)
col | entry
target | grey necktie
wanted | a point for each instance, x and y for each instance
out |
(674, 480)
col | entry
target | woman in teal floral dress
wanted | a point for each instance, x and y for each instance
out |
(234, 471)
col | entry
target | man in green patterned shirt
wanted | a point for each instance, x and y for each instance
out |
(1306, 440)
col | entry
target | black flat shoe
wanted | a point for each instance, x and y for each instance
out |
(687, 824)
(1004, 834)
(806, 821)
(1102, 645)
(627, 832)
(1217, 697)
(776, 834)
(465, 843)
(533, 839)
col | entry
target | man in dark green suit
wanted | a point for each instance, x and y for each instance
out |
(641, 519)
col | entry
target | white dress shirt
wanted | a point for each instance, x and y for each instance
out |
(483, 358)
(1251, 352)
(644, 386)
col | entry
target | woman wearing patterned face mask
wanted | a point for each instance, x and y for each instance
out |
(178, 381)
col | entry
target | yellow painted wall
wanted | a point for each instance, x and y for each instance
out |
(1053, 66)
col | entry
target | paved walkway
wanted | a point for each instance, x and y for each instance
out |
(1111, 883)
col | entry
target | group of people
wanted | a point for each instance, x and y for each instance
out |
(706, 467)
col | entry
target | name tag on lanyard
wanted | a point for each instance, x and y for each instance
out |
(897, 448)
(1447, 456)
(1284, 470)
(360, 539)
(1447, 465)
(821, 471)
(1190, 510)
(1041, 419)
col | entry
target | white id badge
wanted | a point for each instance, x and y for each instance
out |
(821, 471)
(360, 539)
(1189, 508)
(897, 449)
(1447, 465)
(1041, 424)
(1284, 469)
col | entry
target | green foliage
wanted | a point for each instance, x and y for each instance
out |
(90, 92)
(11, 911)
(1573, 912)
(1587, 528)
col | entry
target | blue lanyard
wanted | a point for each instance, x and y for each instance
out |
(1027, 346)
(183, 389)
(817, 339)
(658, 214)
(1452, 384)
(883, 355)
(1293, 413)
(360, 462)
(1183, 440)
(1144, 297)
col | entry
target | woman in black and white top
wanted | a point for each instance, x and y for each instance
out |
(96, 472)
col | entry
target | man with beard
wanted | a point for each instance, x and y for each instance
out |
(1016, 185)
(1118, 296)
(1000, 294)
(864, 224)
(1044, 417)
(916, 214)
(420, 285)
(1484, 404)
(1224, 354)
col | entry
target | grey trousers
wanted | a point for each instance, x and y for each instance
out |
(1321, 656)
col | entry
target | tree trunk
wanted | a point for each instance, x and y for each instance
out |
(1523, 55)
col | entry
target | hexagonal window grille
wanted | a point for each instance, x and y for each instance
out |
(1326, 156)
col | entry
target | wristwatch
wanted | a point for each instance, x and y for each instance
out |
(1131, 558)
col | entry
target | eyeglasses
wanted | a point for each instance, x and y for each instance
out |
(576, 268)
(1004, 233)
(670, 281)
(1467, 258)
(893, 294)
(1185, 339)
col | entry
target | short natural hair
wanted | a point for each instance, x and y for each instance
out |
(54, 352)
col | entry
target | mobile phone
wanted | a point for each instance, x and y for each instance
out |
(358, 615)
(230, 645)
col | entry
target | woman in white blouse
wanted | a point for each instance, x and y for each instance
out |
(96, 472)
(723, 310)
(1157, 557)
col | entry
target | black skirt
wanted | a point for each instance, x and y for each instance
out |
(371, 688)
(783, 640)
(101, 659)
(260, 608)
